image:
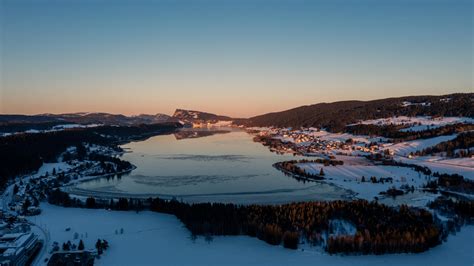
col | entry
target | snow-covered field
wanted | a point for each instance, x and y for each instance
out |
(440, 166)
(158, 239)
(466, 162)
(418, 123)
(68, 126)
(349, 177)
(325, 135)
(404, 148)
(49, 167)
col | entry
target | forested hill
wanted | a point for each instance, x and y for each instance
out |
(335, 116)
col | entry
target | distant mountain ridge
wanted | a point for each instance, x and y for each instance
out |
(85, 118)
(195, 117)
(335, 116)
(332, 116)
(44, 121)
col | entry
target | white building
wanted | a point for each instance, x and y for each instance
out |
(17, 249)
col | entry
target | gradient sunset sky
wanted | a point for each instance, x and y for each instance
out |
(237, 58)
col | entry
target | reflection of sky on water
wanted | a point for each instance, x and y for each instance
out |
(228, 166)
(196, 157)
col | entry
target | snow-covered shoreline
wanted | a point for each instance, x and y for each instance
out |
(150, 238)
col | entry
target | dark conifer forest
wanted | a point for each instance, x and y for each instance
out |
(337, 115)
(25, 152)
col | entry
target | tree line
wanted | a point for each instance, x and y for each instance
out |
(462, 146)
(462, 208)
(291, 168)
(452, 182)
(393, 131)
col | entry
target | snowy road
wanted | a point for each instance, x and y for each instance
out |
(46, 243)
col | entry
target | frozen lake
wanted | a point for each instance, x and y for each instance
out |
(222, 167)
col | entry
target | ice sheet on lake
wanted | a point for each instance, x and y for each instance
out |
(185, 180)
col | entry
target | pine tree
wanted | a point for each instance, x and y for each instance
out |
(26, 205)
(321, 172)
(105, 244)
(98, 246)
(81, 245)
(90, 202)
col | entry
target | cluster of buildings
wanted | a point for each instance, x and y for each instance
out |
(18, 245)
(310, 141)
(76, 258)
(24, 195)
(211, 124)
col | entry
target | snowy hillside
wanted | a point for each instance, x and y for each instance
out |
(418, 123)
(404, 148)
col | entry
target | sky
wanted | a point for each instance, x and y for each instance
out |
(238, 58)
